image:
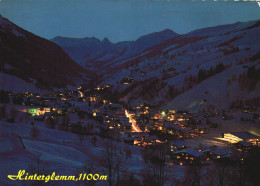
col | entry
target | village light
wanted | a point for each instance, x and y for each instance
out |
(163, 114)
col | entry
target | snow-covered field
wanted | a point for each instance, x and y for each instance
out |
(63, 153)
(59, 151)
(16, 84)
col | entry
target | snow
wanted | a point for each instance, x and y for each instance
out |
(222, 29)
(217, 89)
(202, 54)
(170, 47)
(16, 85)
(62, 151)
(5, 144)
(65, 153)
(56, 154)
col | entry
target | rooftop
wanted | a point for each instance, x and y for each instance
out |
(179, 143)
(245, 144)
(190, 151)
(220, 152)
(245, 135)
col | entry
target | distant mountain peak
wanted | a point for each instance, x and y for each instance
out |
(167, 30)
(164, 35)
(106, 41)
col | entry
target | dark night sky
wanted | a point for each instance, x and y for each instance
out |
(122, 20)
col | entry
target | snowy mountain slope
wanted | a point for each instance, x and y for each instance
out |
(173, 67)
(16, 84)
(223, 29)
(215, 91)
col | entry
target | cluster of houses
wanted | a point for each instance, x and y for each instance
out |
(144, 125)
(242, 142)
(170, 124)
(250, 114)
(111, 115)
(46, 105)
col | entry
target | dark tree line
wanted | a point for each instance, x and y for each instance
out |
(249, 79)
(204, 74)
(4, 97)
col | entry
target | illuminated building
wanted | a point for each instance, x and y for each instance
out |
(235, 137)
(38, 111)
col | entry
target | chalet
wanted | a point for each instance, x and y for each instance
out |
(115, 107)
(112, 116)
(127, 80)
(182, 122)
(143, 73)
(219, 153)
(93, 98)
(38, 111)
(105, 118)
(177, 145)
(172, 128)
(138, 141)
(49, 98)
(128, 139)
(125, 125)
(155, 116)
(235, 137)
(150, 140)
(134, 140)
(171, 111)
(112, 125)
(243, 145)
(33, 111)
(201, 129)
(159, 125)
(187, 155)
(187, 133)
(107, 86)
(96, 112)
(138, 134)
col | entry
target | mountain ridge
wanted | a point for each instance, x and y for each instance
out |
(34, 58)
(89, 49)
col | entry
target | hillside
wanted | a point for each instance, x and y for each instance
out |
(34, 59)
(208, 67)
